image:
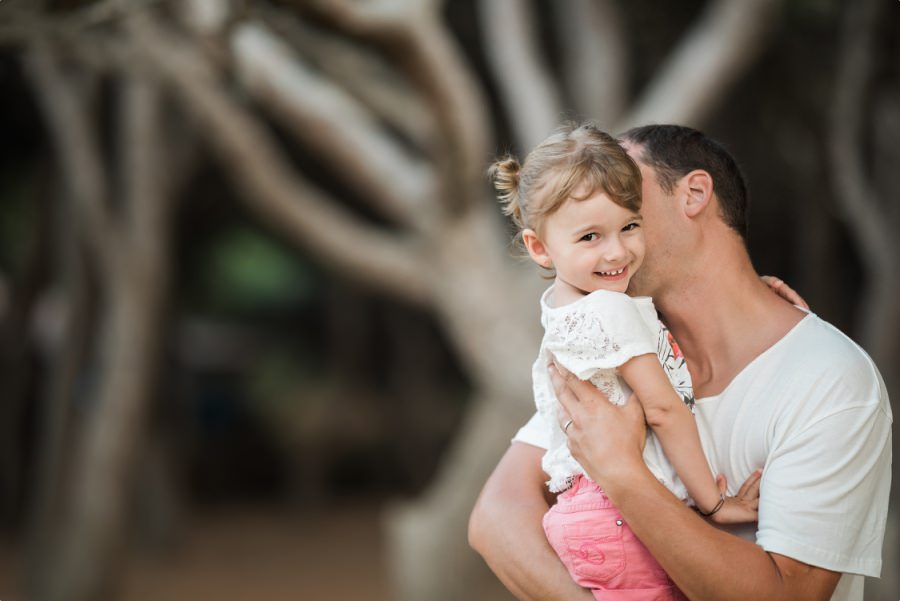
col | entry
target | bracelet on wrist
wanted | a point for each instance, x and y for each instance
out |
(715, 509)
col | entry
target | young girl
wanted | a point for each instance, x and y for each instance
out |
(576, 201)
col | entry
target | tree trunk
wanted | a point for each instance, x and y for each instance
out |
(429, 555)
(91, 539)
(135, 282)
(491, 313)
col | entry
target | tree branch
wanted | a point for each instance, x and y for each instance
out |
(205, 17)
(712, 56)
(411, 31)
(868, 218)
(886, 126)
(333, 124)
(78, 150)
(20, 24)
(147, 185)
(526, 87)
(595, 57)
(856, 196)
(367, 76)
(68, 351)
(130, 350)
(272, 189)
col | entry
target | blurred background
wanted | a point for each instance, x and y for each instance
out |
(262, 334)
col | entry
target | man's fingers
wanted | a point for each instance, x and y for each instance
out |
(564, 418)
(569, 389)
(564, 394)
(565, 373)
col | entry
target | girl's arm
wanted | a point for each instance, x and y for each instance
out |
(675, 426)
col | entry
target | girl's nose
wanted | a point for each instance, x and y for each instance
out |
(613, 251)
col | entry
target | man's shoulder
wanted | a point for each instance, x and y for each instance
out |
(824, 348)
(818, 356)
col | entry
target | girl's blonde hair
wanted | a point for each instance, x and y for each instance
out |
(574, 162)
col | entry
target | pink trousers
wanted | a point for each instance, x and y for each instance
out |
(600, 550)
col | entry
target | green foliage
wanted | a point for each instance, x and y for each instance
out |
(243, 269)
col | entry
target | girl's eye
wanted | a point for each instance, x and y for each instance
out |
(589, 237)
(631, 226)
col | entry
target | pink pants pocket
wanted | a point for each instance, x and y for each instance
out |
(594, 549)
(600, 550)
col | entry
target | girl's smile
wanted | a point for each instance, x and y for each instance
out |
(616, 275)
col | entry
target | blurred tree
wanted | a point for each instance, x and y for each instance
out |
(126, 233)
(865, 122)
(359, 132)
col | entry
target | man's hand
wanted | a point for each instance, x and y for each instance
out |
(616, 433)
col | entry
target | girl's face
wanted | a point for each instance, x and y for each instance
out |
(594, 244)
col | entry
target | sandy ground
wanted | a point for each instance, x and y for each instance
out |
(259, 554)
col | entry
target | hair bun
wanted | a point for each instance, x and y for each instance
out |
(504, 174)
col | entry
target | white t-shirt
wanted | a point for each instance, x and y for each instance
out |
(812, 410)
(592, 337)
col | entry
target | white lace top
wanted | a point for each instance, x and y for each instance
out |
(591, 337)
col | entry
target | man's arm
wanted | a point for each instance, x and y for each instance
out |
(705, 563)
(505, 528)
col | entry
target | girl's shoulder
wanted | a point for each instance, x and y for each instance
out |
(618, 307)
(599, 300)
(601, 330)
(614, 313)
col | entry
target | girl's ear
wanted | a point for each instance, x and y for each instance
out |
(536, 249)
(700, 190)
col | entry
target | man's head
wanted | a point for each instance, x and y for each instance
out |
(684, 173)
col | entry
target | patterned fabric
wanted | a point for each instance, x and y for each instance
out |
(591, 337)
(674, 365)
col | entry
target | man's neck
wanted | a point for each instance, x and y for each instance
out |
(723, 318)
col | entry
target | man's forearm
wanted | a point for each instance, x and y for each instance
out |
(707, 563)
(505, 528)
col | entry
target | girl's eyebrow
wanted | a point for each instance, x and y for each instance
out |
(593, 226)
(586, 229)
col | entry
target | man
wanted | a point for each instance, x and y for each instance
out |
(777, 388)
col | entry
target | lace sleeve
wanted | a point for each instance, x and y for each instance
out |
(601, 331)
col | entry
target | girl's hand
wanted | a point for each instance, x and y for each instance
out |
(784, 291)
(744, 506)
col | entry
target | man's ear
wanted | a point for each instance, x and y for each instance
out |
(537, 250)
(699, 186)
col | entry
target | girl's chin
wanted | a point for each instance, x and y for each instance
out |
(619, 286)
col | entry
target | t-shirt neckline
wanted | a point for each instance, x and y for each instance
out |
(809, 315)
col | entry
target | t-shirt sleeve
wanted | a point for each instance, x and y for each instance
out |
(535, 432)
(601, 331)
(825, 491)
